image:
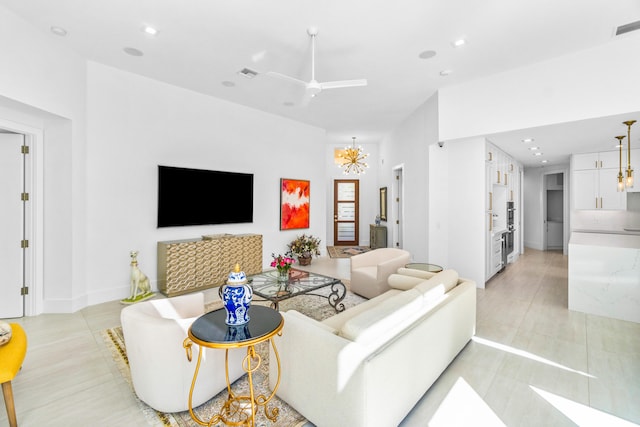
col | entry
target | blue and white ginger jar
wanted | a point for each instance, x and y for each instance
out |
(236, 296)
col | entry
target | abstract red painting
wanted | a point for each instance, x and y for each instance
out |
(294, 203)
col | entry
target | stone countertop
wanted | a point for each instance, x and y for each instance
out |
(628, 231)
(606, 239)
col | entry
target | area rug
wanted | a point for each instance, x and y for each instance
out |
(313, 306)
(346, 251)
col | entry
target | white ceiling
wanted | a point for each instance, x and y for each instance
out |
(203, 43)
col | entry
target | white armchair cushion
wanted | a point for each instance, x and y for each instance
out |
(371, 270)
(154, 331)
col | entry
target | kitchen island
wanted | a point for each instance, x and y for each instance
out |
(604, 274)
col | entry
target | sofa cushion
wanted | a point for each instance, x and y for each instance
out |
(402, 282)
(385, 319)
(337, 321)
(447, 279)
(416, 273)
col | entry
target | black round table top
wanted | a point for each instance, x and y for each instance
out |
(210, 329)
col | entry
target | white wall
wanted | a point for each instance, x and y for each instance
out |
(459, 216)
(136, 123)
(408, 145)
(597, 82)
(42, 85)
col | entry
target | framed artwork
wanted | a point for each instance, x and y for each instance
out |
(294, 203)
(383, 204)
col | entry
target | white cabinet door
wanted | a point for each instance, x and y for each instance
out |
(610, 197)
(585, 189)
(585, 161)
(611, 159)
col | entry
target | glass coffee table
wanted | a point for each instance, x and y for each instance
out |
(266, 285)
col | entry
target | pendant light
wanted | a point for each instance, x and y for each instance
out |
(620, 175)
(353, 159)
(629, 180)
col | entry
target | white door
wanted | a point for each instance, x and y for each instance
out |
(11, 225)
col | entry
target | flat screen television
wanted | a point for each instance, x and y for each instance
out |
(203, 197)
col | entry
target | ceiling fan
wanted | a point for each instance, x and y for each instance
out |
(314, 87)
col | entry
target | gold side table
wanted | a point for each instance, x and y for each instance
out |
(210, 330)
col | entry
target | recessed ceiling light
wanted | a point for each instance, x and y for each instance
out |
(427, 54)
(544, 161)
(58, 31)
(528, 140)
(133, 51)
(459, 42)
(227, 83)
(149, 30)
(445, 73)
(534, 148)
(537, 153)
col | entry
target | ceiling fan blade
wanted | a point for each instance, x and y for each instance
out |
(343, 83)
(286, 78)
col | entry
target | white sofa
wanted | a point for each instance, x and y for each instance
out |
(370, 270)
(154, 331)
(369, 365)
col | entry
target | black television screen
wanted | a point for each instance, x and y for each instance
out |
(202, 197)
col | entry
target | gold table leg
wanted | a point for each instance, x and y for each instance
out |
(238, 410)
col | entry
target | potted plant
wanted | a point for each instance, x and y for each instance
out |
(304, 248)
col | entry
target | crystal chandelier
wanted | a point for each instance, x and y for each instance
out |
(353, 159)
(629, 180)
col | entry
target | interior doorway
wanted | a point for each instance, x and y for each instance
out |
(554, 211)
(346, 212)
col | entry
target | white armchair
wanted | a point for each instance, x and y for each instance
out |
(370, 270)
(161, 374)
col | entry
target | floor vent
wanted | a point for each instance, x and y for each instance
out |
(627, 28)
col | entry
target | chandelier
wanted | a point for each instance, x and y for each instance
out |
(629, 180)
(353, 159)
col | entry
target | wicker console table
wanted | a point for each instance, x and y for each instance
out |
(195, 264)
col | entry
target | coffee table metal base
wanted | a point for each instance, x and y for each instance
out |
(266, 286)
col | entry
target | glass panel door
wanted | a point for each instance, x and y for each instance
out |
(345, 212)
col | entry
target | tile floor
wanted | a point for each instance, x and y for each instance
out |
(532, 362)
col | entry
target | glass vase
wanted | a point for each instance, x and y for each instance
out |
(283, 275)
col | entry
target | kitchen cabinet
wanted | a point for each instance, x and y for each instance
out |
(496, 253)
(597, 188)
(603, 160)
(502, 185)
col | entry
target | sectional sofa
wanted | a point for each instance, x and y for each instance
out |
(369, 365)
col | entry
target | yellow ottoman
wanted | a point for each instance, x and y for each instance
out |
(11, 357)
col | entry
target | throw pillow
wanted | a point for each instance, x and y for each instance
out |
(5, 332)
